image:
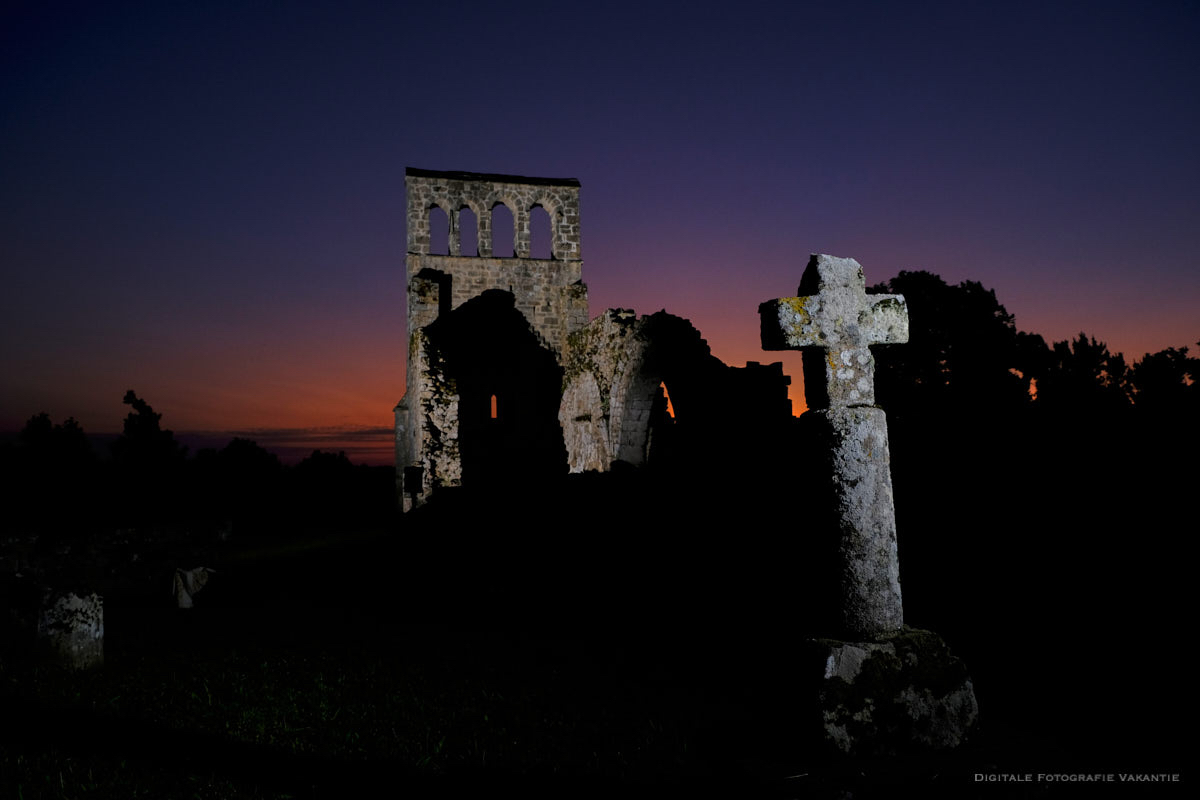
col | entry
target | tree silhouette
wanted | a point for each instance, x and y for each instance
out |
(51, 473)
(1166, 381)
(149, 465)
(1082, 376)
(241, 482)
(143, 442)
(327, 488)
(62, 446)
(963, 350)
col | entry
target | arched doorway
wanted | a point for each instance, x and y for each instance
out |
(668, 401)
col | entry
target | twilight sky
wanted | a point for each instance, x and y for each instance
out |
(204, 202)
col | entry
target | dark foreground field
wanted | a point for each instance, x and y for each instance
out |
(606, 639)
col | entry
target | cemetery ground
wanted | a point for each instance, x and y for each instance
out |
(626, 635)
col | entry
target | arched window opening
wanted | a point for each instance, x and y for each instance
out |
(670, 409)
(539, 233)
(502, 231)
(439, 232)
(495, 408)
(468, 232)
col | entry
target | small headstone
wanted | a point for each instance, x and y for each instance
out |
(70, 629)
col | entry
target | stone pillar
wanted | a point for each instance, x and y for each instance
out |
(484, 221)
(566, 231)
(453, 245)
(521, 248)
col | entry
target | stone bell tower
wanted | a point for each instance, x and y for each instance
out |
(487, 334)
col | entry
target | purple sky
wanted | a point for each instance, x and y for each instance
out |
(204, 202)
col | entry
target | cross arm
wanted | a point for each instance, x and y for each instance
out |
(787, 323)
(884, 319)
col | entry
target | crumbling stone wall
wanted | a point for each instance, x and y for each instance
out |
(600, 360)
(612, 400)
(427, 416)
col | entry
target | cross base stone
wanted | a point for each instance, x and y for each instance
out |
(904, 693)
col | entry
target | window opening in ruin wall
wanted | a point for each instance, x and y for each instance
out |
(468, 232)
(503, 232)
(439, 232)
(540, 227)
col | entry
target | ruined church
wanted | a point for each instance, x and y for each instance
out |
(510, 380)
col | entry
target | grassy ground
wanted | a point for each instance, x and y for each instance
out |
(442, 712)
(286, 719)
(450, 656)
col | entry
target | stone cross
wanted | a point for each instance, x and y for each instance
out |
(841, 319)
(835, 322)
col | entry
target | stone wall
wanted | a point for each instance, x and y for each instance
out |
(599, 364)
(427, 421)
(548, 293)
